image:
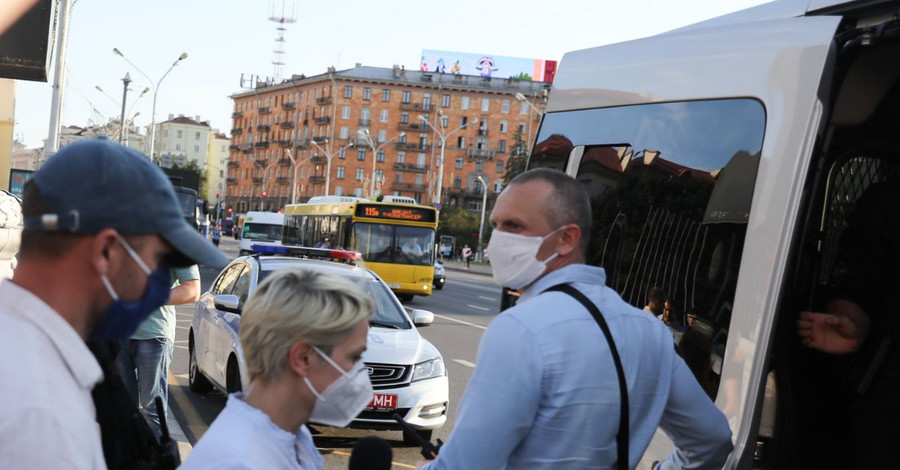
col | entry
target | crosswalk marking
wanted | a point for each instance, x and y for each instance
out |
(464, 362)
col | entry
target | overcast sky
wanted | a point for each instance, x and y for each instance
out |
(225, 38)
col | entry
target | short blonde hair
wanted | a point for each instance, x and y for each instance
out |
(294, 304)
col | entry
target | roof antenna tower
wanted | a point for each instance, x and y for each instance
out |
(278, 14)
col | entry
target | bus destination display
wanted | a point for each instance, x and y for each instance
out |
(412, 214)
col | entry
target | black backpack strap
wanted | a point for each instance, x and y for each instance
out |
(622, 434)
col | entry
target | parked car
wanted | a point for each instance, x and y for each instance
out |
(440, 276)
(408, 373)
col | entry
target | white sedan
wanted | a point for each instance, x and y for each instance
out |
(407, 372)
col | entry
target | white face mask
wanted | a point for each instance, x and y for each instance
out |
(344, 399)
(514, 258)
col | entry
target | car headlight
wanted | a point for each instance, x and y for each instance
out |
(429, 369)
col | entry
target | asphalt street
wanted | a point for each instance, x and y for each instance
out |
(463, 309)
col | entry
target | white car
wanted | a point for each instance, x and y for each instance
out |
(407, 372)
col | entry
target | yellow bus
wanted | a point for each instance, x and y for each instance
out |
(395, 239)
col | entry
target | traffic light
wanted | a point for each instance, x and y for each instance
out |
(230, 210)
(217, 193)
(265, 193)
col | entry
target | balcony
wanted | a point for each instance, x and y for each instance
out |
(415, 127)
(410, 167)
(323, 120)
(316, 180)
(289, 105)
(262, 145)
(284, 161)
(282, 180)
(233, 164)
(265, 109)
(285, 143)
(319, 140)
(237, 131)
(415, 107)
(364, 122)
(301, 143)
(323, 100)
(413, 146)
(416, 188)
(237, 114)
(483, 132)
(318, 160)
(256, 180)
(263, 128)
(231, 180)
(480, 154)
(260, 162)
(246, 148)
(287, 125)
(234, 147)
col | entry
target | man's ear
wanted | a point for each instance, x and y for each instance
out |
(569, 240)
(300, 357)
(102, 256)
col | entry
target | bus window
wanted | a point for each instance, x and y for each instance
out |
(393, 244)
(670, 187)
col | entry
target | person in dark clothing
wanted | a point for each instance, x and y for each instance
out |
(861, 322)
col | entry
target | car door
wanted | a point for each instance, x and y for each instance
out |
(225, 335)
(785, 66)
(208, 324)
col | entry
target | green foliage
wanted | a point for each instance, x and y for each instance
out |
(521, 76)
(460, 224)
(518, 158)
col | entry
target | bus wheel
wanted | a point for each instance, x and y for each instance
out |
(405, 297)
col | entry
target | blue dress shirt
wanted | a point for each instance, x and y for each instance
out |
(544, 393)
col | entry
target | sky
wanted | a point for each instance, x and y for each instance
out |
(225, 38)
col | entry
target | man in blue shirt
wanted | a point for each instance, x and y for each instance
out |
(545, 394)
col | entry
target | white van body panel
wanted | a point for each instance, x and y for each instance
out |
(269, 218)
(778, 62)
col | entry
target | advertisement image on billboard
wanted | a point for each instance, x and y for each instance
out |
(484, 65)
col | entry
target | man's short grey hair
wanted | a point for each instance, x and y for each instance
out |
(567, 204)
(297, 304)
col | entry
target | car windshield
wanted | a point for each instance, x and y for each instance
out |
(388, 312)
(395, 244)
(256, 231)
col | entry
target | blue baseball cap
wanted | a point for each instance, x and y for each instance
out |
(95, 184)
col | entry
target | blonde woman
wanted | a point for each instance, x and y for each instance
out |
(303, 334)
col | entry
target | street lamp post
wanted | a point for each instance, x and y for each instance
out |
(481, 225)
(265, 186)
(155, 90)
(368, 138)
(328, 157)
(126, 80)
(532, 108)
(444, 137)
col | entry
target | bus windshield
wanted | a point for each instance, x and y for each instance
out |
(395, 244)
(267, 232)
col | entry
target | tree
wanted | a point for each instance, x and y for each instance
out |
(193, 166)
(518, 158)
(460, 224)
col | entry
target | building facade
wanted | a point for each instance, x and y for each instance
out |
(367, 131)
(180, 140)
(216, 165)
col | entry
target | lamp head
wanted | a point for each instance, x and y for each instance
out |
(402, 134)
(117, 52)
(520, 97)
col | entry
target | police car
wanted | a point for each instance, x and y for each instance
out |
(408, 373)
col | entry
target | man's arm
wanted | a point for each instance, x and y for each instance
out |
(699, 430)
(840, 331)
(188, 289)
(500, 402)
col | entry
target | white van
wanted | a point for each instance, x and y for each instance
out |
(723, 160)
(261, 228)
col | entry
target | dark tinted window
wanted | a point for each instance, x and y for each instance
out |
(670, 186)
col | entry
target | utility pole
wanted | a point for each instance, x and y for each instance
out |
(59, 79)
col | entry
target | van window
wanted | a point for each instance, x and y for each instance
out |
(670, 186)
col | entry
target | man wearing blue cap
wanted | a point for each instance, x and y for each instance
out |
(102, 228)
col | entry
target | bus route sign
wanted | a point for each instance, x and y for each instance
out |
(380, 211)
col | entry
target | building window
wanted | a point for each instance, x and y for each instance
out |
(461, 142)
(382, 136)
(359, 174)
(399, 177)
(345, 132)
(465, 103)
(420, 161)
(357, 192)
(339, 191)
(501, 146)
(420, 180)
(499, 166)
(463, 121)
(445, 101)
(196, 136)
(401, 157)
(498, 186)
(405, 99)
(426, 100)
(379, 176)
(379, 156)
(178, 146)
(523, 109)
(445, 121)
(361, 154)
(179, 134)
(485, 105)
(196, 149)
(342, 153)
(340, 172)
(521, 128)
(404, 118)
(384, 115)
(457, 183)
(367, 93)
(345, 112)
(504, 126)
(504, 107)
(386, 95)
(348, 91)
(459, 163)
(364, 117)
(479, 165)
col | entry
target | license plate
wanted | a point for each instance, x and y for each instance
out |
(394, 285)
(383, 401)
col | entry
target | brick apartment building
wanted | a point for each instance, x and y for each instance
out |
(375, 126)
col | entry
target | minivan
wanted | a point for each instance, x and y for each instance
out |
(260, 228)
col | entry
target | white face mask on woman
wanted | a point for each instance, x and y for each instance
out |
(514, 258)
(344, 399)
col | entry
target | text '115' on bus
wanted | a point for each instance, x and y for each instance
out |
(396, 239)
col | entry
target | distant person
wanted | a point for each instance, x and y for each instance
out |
(324, 243)
(655, 299)
(411, 247)
(466, 255)
(545, 392)
(217, 236)
(144, 359)
(303, 333)
(102, 226)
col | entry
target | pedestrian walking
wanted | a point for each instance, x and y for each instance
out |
(467, 255)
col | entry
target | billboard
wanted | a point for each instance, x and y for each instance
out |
(465, 63)
(17, 180)
(25, 47)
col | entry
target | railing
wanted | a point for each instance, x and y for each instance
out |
(285, 143)
(284, 161)
(323, 120)
(263, 128)
(231, 180)
(316, 180)
(415, 107)
(237, 131)
(234, 147)
(288, 105)
(413, 146)
(319, 140)
(237, 114)
(318, 160)
(480, 153)
(265, 110)
(233, 164)
(364, 122)
(323, 100)
(416, 188)
(256, 180)
(301, 143)
(282, 180)
(260, 162)
(482, 132)
(287, 124)
(411, 127)
(410, 167)
(246, 148)
(262, 145)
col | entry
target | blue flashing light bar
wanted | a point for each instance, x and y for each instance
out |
(306, 252)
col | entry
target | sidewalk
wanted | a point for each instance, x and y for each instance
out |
(474, 268)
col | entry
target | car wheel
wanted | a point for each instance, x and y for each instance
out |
(196, 381)
(409, 440)
(234, 377)
(439, 286)
(405, 297)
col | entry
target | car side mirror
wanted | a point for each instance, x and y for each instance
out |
(440, 262)
(422, 317)
(228, 303)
